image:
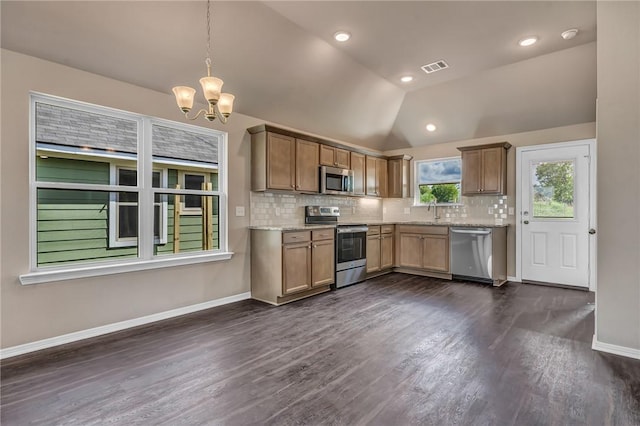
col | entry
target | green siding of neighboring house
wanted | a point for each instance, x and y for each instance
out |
(73, 226)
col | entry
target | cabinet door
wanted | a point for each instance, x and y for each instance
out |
(281, 160)
(372, 187)
(471, 172)
(341, 158)
(373, 253)
(296, 267)
(492, 170)
(395, 178)
(358, 167)
(327, 154)
(382, 177)
(410, 246)
(436, 252)
(307, 166)
(386, 251)
(323, 262)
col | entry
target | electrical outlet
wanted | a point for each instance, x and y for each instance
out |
(353, 210)
(239, 210)
(277, 211)
(384, 210)
(490, 210)
(407, 210)
(511, 211)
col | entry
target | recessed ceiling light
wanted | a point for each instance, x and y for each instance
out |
(528, 41)
(406, 78)
(569, 34)
(342, 36)
(431, 127)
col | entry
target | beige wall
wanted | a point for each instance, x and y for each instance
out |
(31, 313)
(538, 137)
(618, 292)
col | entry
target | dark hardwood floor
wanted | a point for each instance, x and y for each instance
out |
(395, 350)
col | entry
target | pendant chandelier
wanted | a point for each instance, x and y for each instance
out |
(219, 104)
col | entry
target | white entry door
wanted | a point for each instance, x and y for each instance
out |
(555, 214)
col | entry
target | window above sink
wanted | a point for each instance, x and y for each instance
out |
(437, 182)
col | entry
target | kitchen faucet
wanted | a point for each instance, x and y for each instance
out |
(435, 210)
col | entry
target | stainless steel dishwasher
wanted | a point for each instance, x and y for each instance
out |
(471, 253)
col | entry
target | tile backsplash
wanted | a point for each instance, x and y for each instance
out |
(274, 209)
(484, 209)
(288, 209)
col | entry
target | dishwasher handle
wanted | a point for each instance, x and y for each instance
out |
(467, 231)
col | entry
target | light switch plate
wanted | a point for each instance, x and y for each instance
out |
(511, 211)
(407, 210)
(239, 210)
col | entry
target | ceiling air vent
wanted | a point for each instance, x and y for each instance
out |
(435, 66)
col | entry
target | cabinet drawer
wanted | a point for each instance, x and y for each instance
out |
(296, 237)
(424, 229)
(386, 229)
(374, 230)
(322, 234)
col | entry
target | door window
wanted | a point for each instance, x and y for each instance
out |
(553, 185)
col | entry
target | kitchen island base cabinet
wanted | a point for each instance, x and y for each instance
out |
(287, 266)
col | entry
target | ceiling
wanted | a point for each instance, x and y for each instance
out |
(283, 65)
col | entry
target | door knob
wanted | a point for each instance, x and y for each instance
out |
(592, 231)
(526, 222)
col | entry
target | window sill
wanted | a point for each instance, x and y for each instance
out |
(45, 276)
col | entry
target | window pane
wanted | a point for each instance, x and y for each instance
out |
(155, 180)
(552, 189)
(127, 177)
(440, 171)
(52, 169)
(439, 181)
(73, 227)
(193, 182)
(192, 233)
(127, 221)
(440, 193)
(77, 146)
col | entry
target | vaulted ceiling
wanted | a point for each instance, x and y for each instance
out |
(283, 65)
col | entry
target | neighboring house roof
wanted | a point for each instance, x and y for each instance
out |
(81, 129)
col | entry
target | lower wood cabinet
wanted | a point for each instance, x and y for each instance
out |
(287, 266)
(379, 248)
(423, 248)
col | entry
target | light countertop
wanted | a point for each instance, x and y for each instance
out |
(303, 227)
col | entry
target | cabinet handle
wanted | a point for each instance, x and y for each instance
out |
(315, 246)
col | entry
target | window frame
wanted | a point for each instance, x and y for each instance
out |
(146, 260)
(184, 210)
(416, 182)
(115, 241)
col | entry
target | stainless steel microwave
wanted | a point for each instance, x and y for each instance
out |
(336, 181)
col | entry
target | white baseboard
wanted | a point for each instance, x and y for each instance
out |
(615, 349)
(514, 279)
(117, 326)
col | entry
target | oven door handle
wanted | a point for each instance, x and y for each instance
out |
(352, 230)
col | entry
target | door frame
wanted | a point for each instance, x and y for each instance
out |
(591, 143)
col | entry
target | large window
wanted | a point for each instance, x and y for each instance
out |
(438, 181)
(118, 189)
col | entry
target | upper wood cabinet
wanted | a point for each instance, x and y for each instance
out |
(334, 157)
(307, 170)
(359, 175)
(484, 169)
(377, 176)
(399, 176)
(282, 162)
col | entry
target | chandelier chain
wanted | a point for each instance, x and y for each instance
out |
(208, 32)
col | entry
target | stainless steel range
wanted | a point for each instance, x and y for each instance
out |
(351, 244)
(351, 254)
